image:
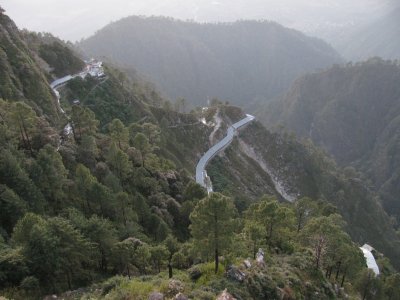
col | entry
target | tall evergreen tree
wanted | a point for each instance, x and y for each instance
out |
(213, 224)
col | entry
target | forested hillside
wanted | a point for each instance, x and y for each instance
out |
(20, 77)
(110, 210)
(352, 112)
(243, 62)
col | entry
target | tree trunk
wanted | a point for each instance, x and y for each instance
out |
(299, 223)
(270, 232)
(102, 208)
(343, 277)
(169, 270)
(129, 271)
(216, 260)
(330, 272)
(366, 288)
(216, 237)
(69, 280)
(338, 270)
(318, 252)
(88, 206)
(123, 211)
(23, 137)
(26, 135)
(73, 131)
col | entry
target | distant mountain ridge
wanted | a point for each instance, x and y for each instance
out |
(354, 113)
(380, 38)
(243, 62)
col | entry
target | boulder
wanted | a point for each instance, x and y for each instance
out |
(195, 273)
(175, 287)
(260, 258)
(247, 263)
(234, 273)
(156, 296)
(225, 296)
(181, 296)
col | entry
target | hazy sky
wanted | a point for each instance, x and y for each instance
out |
(75, 19)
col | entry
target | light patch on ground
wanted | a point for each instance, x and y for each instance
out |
(278, 184)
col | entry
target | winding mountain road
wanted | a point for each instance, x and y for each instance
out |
(370, 259)
(61, 81)
(201, 174)
(54, 85)
(204, 180)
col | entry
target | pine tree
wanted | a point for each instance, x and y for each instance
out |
(213, 224)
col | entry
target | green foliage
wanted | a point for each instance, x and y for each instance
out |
(261, 286)
(16, 177)
(368, 286)
(20, 75)
(56, 250)
(159, 256)
(213, 225)
(118, 198)
(12, 208)
(107, 98)
(119, 162)
(356, 123)
(392, 286)
(83, 122)
(50, 175)
(60, 58)
(274, 218)
(119, 133)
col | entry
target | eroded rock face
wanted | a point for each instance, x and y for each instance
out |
(181, 296)
(225, 296)
(247, 263)
(175, 287)
(234, 273)
(260, 257)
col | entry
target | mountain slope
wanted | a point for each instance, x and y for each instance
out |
(352, 112)
(261, 162)
(241, 62)
(20, 74)
(380, 38)
(115, 198)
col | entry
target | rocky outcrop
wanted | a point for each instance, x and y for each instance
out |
(234, 273)
(225, 296)
(181, 296)
(156, 296)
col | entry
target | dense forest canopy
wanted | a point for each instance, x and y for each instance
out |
(352, 112)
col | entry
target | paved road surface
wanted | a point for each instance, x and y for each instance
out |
(201, 173)
(370, 259)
